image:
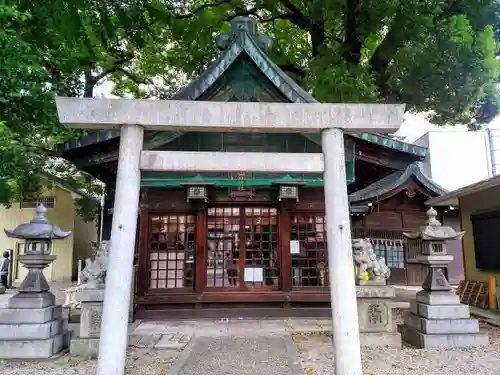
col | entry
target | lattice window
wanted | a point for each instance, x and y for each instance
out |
(223, 228)
(48, 202)
(391, 249)
(172, 251)
(261, 255)
(309, 266)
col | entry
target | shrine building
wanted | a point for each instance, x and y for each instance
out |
(241, 241)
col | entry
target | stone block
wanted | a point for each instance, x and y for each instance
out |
(173, 341)
(148, 341)
(438, 298)
(31, 300)
(32, 349)
(443, 326)
(30, 316)
(373, 291)
(372, 282)
(84, 347)
(422, 340)
(90, 319)
(89, 295)
(36, 331)
(375, 315)
(440, 311)
(380, 339)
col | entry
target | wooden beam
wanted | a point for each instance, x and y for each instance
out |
(183, 115)
(191, 161)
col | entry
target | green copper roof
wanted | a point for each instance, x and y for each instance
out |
(393, 181)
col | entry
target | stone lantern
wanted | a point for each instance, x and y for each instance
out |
(434, 238)
(32, 326)
(38, 234)
(436, 317)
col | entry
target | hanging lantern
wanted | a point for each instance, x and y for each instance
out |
(288, 188)
(197, 189)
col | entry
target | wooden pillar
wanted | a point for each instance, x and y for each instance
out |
(143, 263)
(492, 292)
(200, 258)
(284, 237)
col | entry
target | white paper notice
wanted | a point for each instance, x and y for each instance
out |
(254, 275)
(294, 247)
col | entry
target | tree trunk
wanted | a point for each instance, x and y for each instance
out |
(88, 91)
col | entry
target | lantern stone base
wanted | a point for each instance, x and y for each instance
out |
(375, 316)
(86, 342)
(29, 300)
(32, 333)
(438, 320)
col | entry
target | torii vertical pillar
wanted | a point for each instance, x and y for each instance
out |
(114, 325)
(345, 327)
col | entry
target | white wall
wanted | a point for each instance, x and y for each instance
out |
(456, 158)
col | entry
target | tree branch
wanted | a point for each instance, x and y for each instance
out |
(134, 78)
(298, 18)
(115, 67)
(201, 8)
(352, 44)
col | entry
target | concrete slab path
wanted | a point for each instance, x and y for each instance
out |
(227, 355)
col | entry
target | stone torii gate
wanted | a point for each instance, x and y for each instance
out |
(135, 116)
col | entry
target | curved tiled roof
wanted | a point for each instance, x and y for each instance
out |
(393, 181)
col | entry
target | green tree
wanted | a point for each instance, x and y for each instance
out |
(48, 49)
(436, 56)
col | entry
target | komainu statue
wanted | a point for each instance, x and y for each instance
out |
(94, 273)
(366, 261)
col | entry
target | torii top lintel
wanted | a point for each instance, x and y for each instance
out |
(181, 115)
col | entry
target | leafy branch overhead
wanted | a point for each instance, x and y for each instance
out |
(438, 56)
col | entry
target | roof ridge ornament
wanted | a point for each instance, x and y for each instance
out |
(241, 25)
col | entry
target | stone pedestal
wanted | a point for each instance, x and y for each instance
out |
(439, 320)
(375, 316)
(436, 318)
(86, 341)
(32, 327)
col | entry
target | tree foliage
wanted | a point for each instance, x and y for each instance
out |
(438, 56)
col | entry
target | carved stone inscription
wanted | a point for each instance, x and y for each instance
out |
(376, 314)
(90, 323)
(95, 322)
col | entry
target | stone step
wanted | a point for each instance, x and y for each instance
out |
(440, 311)
(438, 298)
(443, 326)
(36, 331)
(33, 349)
(380, 339)
(414, 337)
(30, 316)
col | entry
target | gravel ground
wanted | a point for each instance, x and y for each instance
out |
(316, 356)
(239, 356)
(139, 362)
